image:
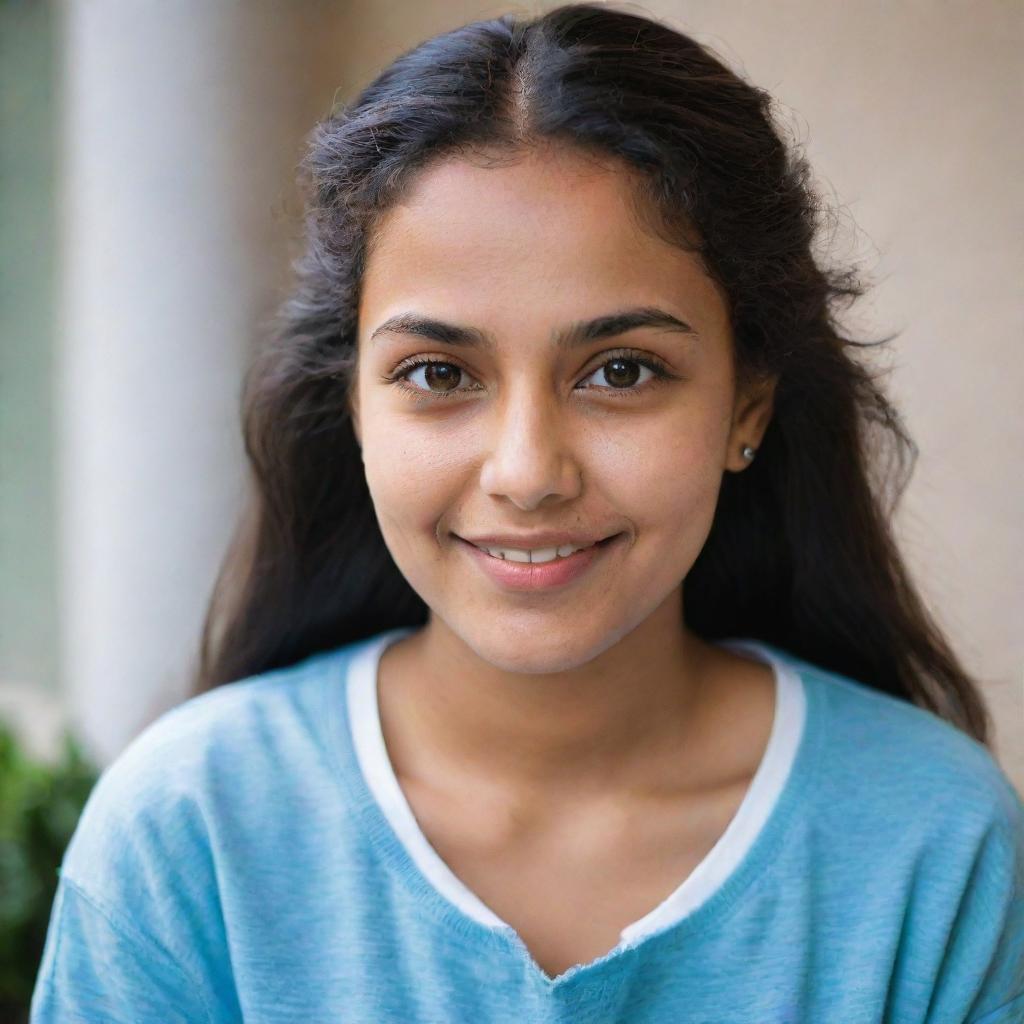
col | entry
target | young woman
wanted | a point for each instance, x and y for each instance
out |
(565, 668)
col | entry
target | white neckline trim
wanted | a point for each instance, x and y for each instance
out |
(712, 872)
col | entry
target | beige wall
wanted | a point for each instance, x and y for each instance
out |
(911, 113)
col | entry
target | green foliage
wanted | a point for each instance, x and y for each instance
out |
(39, 807)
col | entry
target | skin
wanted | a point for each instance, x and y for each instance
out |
(571, 755)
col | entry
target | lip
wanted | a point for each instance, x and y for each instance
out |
(539, 575)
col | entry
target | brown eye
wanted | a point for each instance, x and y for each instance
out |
(445, 375)
(621, 372)
(440, 378)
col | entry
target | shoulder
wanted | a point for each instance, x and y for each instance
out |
(921, 836)
(884, 760)
(207, 801)
(160, 799)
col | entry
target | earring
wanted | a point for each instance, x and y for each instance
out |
(748, 453)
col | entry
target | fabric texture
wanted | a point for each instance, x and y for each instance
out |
(243, 860)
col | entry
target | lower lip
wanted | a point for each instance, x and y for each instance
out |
(539, 575)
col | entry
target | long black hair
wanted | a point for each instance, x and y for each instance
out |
(800, 553)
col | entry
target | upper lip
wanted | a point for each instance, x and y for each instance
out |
(532, 541)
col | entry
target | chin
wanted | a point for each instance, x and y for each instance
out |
(539, 648)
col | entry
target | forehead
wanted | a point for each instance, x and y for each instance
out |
(551, 234)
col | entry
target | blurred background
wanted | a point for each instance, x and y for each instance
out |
(148, 150)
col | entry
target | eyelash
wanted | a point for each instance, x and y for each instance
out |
(660, 371)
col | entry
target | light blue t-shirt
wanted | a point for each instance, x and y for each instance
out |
(251, 857)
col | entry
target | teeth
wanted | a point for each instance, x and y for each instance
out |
(538, 555)
(544, 555)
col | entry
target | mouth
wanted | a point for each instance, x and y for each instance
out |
(554, 573)
(562, 551)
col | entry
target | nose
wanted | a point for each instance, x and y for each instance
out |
(530, 457)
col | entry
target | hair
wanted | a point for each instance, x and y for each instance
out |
(800, 553)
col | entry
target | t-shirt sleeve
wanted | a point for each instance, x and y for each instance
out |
(1001, 999)
(989, 928)
(136, 930)
(97, 967)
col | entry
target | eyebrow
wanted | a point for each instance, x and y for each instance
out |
(577, 334)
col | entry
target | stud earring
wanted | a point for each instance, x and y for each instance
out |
(748, 453)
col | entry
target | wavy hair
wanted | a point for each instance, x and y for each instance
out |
(800, 553)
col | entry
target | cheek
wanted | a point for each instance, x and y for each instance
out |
(668, 477)
(668, 483)
(413, 476)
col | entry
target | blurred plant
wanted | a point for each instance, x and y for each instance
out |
(40, 804)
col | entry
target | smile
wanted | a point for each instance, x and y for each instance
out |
(540, 568)
(535, 556)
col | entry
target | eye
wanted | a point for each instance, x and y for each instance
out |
(623, 372)
(439, 372)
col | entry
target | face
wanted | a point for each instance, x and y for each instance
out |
(517, 427)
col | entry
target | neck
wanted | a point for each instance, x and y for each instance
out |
(621, 722)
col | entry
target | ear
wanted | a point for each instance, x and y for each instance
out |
(751, 415)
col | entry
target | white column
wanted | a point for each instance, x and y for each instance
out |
(177, 152)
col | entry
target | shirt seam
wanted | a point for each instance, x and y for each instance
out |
(999, 1009)
(133, 936)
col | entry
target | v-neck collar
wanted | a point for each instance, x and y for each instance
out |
(357, 730)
